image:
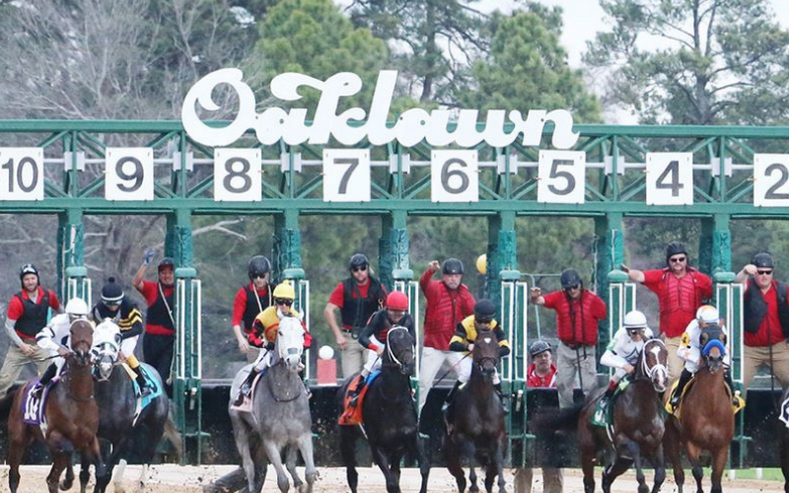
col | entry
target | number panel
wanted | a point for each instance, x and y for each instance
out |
(454, 176)
(237, 175)
(562, 177)
(669, 178)
(771, 180)
(21, 173)
(129, 173)
(346, 175)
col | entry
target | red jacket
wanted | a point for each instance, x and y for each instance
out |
(678, 298)
(444, 310)
(535, 381)
(576, 320)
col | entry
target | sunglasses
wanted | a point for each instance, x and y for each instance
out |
(764, 272)
(678, 259)
(484, 320)
(281, 301)
(259, 276)
(357, 269)
(570, 288)
(635, 332)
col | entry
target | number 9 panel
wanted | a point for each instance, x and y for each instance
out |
(129, 173)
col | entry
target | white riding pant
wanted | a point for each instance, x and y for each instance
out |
(263, 360)
(464, 371)
(128, 345)
(373, 361)
(429, 366)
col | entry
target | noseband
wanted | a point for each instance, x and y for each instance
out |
(392, 357)
(648, 371)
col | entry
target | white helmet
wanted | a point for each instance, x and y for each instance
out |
(707, 314)
(635, 320)
(77, 307)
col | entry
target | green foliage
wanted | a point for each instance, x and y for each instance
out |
(695, 62)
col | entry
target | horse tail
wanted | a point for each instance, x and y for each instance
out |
(7, 401)
(172, 434)
(551, 422)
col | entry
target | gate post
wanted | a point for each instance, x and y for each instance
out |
(502, 252)
(73, 278)
(393, 248)
(715, 244)
(609, 245)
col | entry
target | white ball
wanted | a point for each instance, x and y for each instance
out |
(326, 352)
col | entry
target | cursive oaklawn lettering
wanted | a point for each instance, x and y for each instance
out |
(355, 124)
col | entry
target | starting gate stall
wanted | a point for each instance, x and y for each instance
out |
(275, 164)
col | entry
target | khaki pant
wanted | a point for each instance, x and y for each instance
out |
(352, 357)
(675, 363)
(754, 357)
(570, 362)
(15, 361)
(552, 479)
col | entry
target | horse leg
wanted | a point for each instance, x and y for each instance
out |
(693, 456)
(68, 481)
(496, 468)
(242, 444)
(117, 477)
(613, 471)
(60, 461)
(718, 465)
(290, 465)
(348, 453)
(587, 466)
(310, 472)
(103, 480)
(19, 440)
(379, 456)
(472, 477)
(673, 449)
(658, 463)
(635, 452)
(394, 466)
(421, 446)
(453, 464)
(273, 454)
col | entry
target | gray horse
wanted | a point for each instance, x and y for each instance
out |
(280, 415)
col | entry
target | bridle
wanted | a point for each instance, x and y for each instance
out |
(392, 357)
(650, 371)
(480, 362)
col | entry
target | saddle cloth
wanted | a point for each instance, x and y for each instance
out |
(352, 415)
(246, 406)
(785, 412)
(33, 406)
(603, 415)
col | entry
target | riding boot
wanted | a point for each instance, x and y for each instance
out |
(307, 389)
(145, 389)
(609, 392)
(246, 387)
(684, 378)
(450, 397)
(499, 393)
(735, 394)
(356, 391)
(47, 377)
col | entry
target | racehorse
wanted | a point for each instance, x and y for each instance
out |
(706, 416)
(115, 396)
(70, 413)
(638, 425)
(475, 421)
(389, 416)
(280, 415)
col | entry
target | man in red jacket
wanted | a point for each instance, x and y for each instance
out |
(578, 313)
(681, 290)
(449, 301)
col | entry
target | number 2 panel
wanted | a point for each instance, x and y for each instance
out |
(669, 178)
(771, 180)
(129, 173)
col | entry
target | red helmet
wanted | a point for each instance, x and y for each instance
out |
(397, 300)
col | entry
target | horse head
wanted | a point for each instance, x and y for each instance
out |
(81, 341)
(486, 352)
(400, 350)
(713, 346)
(654, 357)
(106, 345)
(290, 342)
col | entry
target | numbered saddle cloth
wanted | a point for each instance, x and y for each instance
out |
(604, 409)
(785, 412)
(352, 415)
(153, 384)
(33, 405)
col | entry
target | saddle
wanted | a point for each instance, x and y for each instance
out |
(352, 415)
(142, 401)
(678, 411)
(246, 406)
(603, 415)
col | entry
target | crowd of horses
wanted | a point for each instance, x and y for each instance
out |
(95, 403)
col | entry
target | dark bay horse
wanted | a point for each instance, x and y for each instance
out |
(390, 421)
(71, 414)
(476, 430)
(638, 424)
(706, 416)
(280, 416)
(118, 423)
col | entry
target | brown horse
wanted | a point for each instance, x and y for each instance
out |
(706, 419)
(638, 425)
(71, 413)
(476, 421)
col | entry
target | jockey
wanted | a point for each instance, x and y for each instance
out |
(374, 335)
(125, 314)
(624, 349)
(56, 337)
(690, 350)
(265, 330)
(463, 341)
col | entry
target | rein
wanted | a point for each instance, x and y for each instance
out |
(645, 368)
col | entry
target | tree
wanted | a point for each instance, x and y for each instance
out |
(713, 62)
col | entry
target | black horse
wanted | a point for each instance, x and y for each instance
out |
(389, 415)
(475, 421)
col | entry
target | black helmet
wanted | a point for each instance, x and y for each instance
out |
(675, 248)
(166, 261)
(258, 265)
(452, 266)
(762, 259)
(358, 260)
(112, 292)
(485, 309)
(538, 347)
(570, 277)
(27, 269)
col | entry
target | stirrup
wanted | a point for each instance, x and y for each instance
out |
(145, 391)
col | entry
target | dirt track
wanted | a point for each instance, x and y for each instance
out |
(175, 479)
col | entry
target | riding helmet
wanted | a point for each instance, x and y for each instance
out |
(539, 347)
(77, 307)
(284, 290)
(358, 260)
(485, 309)
(397, 300)
(675, 248)
(635, 320)
(112, 292)
(258, 265)
(708, 314)
(570, 278)
(28, 269)
(452, 266)
(166, 262)
(762, 259)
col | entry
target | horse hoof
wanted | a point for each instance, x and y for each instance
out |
(66, 485)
